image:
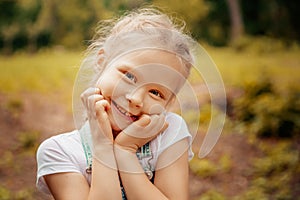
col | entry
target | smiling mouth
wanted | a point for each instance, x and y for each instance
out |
(124, 112)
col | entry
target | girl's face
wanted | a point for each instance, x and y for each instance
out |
(141, 82)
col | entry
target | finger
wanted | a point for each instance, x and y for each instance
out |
(136, 128)
(88, 92)
(156, 126)
(101, 133)
(104, 125)
(101, 107)
(143, 121)
(90, 105)
(156, 121)
(143, 128)
(101, 122)
(93, 99)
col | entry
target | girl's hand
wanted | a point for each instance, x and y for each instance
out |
(141, 131)
(96, 108)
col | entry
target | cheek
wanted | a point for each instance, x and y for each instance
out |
(153, 107)
(106, 85)
(112, 86)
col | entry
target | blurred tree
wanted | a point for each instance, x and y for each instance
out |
(236, 26)
(8, 30)
(46, 22)
(120, 6)
(192, 11)
(8, 33)
(75, 19)
(32, 34)
(8, 10)
(33, 23)
(215, 27)
(28, 10)
(278, 18)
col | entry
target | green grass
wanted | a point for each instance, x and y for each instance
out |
(48, 71)
(236, 68)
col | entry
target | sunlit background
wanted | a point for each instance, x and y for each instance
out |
(255, 45)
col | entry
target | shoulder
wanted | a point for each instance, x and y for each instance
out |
(68, 137)
(176, 131)
(59, 144)
(60, 148)
(175, 121)
(60, 153)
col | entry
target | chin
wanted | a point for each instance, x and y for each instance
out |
(116, 127)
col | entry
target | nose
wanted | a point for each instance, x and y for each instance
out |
(136, 97)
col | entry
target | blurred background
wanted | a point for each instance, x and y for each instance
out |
(255, 45)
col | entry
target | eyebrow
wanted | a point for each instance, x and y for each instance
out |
(127, 66)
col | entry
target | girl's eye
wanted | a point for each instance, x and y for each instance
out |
(130, 76)
(157, 93)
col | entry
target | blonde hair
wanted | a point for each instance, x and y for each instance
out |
(145, 22)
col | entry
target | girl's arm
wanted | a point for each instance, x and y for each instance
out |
(73, 186)
(171, 180)
(65, 186)
(105, 182)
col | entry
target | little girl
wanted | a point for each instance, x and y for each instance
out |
(128, 145)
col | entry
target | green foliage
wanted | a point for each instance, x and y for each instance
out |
(28, 140)
(7, 160)
(191, 118)
(266, 113)
(277, 159)
(205, 168)
(253, 194)
(207, 112)
(191, 11)
(214, 28)
(5, 194)
(33, 24)
(274, 172)
(260, 45)
(14, 107)
(24, 194)
(212, 195)
(225, 163)
(259, 18)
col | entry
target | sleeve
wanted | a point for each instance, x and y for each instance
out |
(52, 158)
(176, 131)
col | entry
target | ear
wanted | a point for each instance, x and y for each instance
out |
(100, 56)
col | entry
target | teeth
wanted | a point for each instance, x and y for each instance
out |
(123, 111)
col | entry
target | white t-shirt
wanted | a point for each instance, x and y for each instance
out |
(65, 153)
